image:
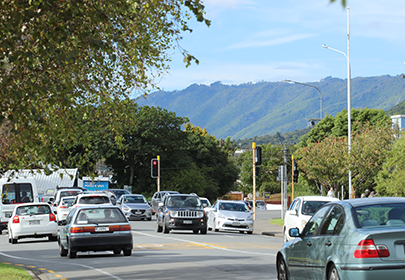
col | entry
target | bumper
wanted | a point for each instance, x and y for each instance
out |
(19, 232)
(372, 272)
(135, 214)
(101, 242)
(238, 226)
(186, 224)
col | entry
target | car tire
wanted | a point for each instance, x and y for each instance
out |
(12, 240)
(72, 254)
(149, 219)
(333, 273)
(195, 231)
(282, 270)
(165, 229)
(203, 231)
(127, 252)
(62, 251)
(159, 228)
(215, 226)
(241, 231)
(249, 232)
(52, 238)
(117, 251)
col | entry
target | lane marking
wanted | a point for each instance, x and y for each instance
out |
(213, 246)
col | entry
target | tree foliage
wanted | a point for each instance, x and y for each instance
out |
(57, 56)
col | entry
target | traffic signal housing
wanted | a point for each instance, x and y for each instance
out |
(154, 173)
(258, 159)
(296, 173)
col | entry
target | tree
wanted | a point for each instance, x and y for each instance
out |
(57, 56)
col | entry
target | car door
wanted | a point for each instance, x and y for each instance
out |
(291, 216)
(211, 215)
(303, 256)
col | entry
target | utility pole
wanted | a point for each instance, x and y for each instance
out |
(284, 205)
(158, 178)
(254, 179)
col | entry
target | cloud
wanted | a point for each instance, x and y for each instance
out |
(271, 42)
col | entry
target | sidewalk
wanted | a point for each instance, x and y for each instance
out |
(264, 227)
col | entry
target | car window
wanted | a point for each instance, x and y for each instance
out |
(134, 199)
(334, 221)
(297, 208)
(94, 200)
(229, 206)
(69, 193)
(379, 215)
(292, 206)
(33, 210)
(67, 202)
(310, 207)
(183, 201)
(312, 227)
(70, 215)
(100, 215)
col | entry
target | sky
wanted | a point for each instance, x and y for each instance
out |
(253, 41)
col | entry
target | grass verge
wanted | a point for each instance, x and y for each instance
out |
(11, 272)
(279, 222)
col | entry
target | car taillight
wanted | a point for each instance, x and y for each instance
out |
(62, 207)
(52, 218)
(120, 228)
(367, 249)
(82, 229)
(16, 220)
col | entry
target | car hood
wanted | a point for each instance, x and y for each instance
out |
(138, 205)
(234, 214)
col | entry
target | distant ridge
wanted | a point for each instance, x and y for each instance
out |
(266, 108)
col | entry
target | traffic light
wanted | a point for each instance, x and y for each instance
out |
(296, 173)
(258, 159)
(154, 168)
(257, 171)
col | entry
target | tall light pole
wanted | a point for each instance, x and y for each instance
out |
(349, 121)
(290, 81)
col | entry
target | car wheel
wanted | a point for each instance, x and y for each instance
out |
(52, 238)
(12, 240)
(127, 252)
(195, 231)
(72, 254)
(250, 232)
(215, 226)
(241, 231)
(62, 251)
(203, 231)
(333, 273)
(117, 251)
(159, 227)
(282, 271)
(149, 219)
(165, 229)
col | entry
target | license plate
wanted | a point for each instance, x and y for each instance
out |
(34, 222)
(102, 229)
(236, 224)
(7, 214)
(187, 222)
(138, 212)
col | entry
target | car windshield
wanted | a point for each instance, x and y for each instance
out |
(229, 206)
(260, 203)
(380, 215)
(118, 193)
(310, 207)
(205, 201)
(99, 216)
(183, 201)
(94, 200)
(134, 199)
(33, 210)
(69, 193)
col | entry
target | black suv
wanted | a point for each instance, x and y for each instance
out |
(181, 212)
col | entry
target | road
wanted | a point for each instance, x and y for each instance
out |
(177, 255)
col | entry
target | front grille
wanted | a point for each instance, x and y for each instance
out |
(141, 211)
(235, 220)
(187, 214)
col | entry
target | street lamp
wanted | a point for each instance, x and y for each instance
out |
(349, 121)
(290, 81)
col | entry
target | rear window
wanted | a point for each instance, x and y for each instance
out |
(94, 200)
(380, 215)
(67, 202)
(17, 193)
(69, 193)
(33, 210)
(100, 215)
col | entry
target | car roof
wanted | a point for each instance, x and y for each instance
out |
(237, 201)
(32, 203)
(92, 194)
(356, 202)
(318, 198)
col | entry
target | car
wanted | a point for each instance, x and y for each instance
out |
(32, 220)
(91, 198)
(301, 210)
(63, 192)
(64, 208)
(359, 238)
(181, 212)
(135, 206)
(205, 202)
(95, 228)
(112, 196)
(231, 216)
(118, 192)
(157, 198)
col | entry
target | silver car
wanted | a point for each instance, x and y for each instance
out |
(230, 215)
(135, 206)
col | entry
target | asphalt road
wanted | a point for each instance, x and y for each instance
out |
(177, 255)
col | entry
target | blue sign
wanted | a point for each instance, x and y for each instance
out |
(95, 185)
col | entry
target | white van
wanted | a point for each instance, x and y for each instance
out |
(15, 191)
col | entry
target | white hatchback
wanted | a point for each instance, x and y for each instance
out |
(63, 208)
(32, 220)
(301, 210)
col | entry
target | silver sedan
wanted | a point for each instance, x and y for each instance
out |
(230, 215)
(135, 206)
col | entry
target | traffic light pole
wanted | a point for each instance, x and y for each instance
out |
(158, 178)
(254, 180)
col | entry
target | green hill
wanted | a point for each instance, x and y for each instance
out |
(267, 108)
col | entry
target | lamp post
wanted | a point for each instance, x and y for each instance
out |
(349, 121)
(304, 84)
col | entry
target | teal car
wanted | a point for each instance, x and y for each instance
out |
(350, 239)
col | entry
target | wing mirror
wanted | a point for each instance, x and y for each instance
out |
(294, 232)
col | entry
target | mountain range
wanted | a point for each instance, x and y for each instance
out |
(265, 108)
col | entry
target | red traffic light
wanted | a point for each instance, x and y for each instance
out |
(154, 168)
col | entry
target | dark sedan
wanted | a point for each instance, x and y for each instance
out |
(95, 228)
(351, 239)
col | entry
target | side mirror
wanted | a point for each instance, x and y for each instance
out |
(205, 205)
(294, 232)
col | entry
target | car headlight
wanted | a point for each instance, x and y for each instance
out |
(221, 217)
(173, 213)
(126, 208)
(250, 218)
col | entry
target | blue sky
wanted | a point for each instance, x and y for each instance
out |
(268, 40)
